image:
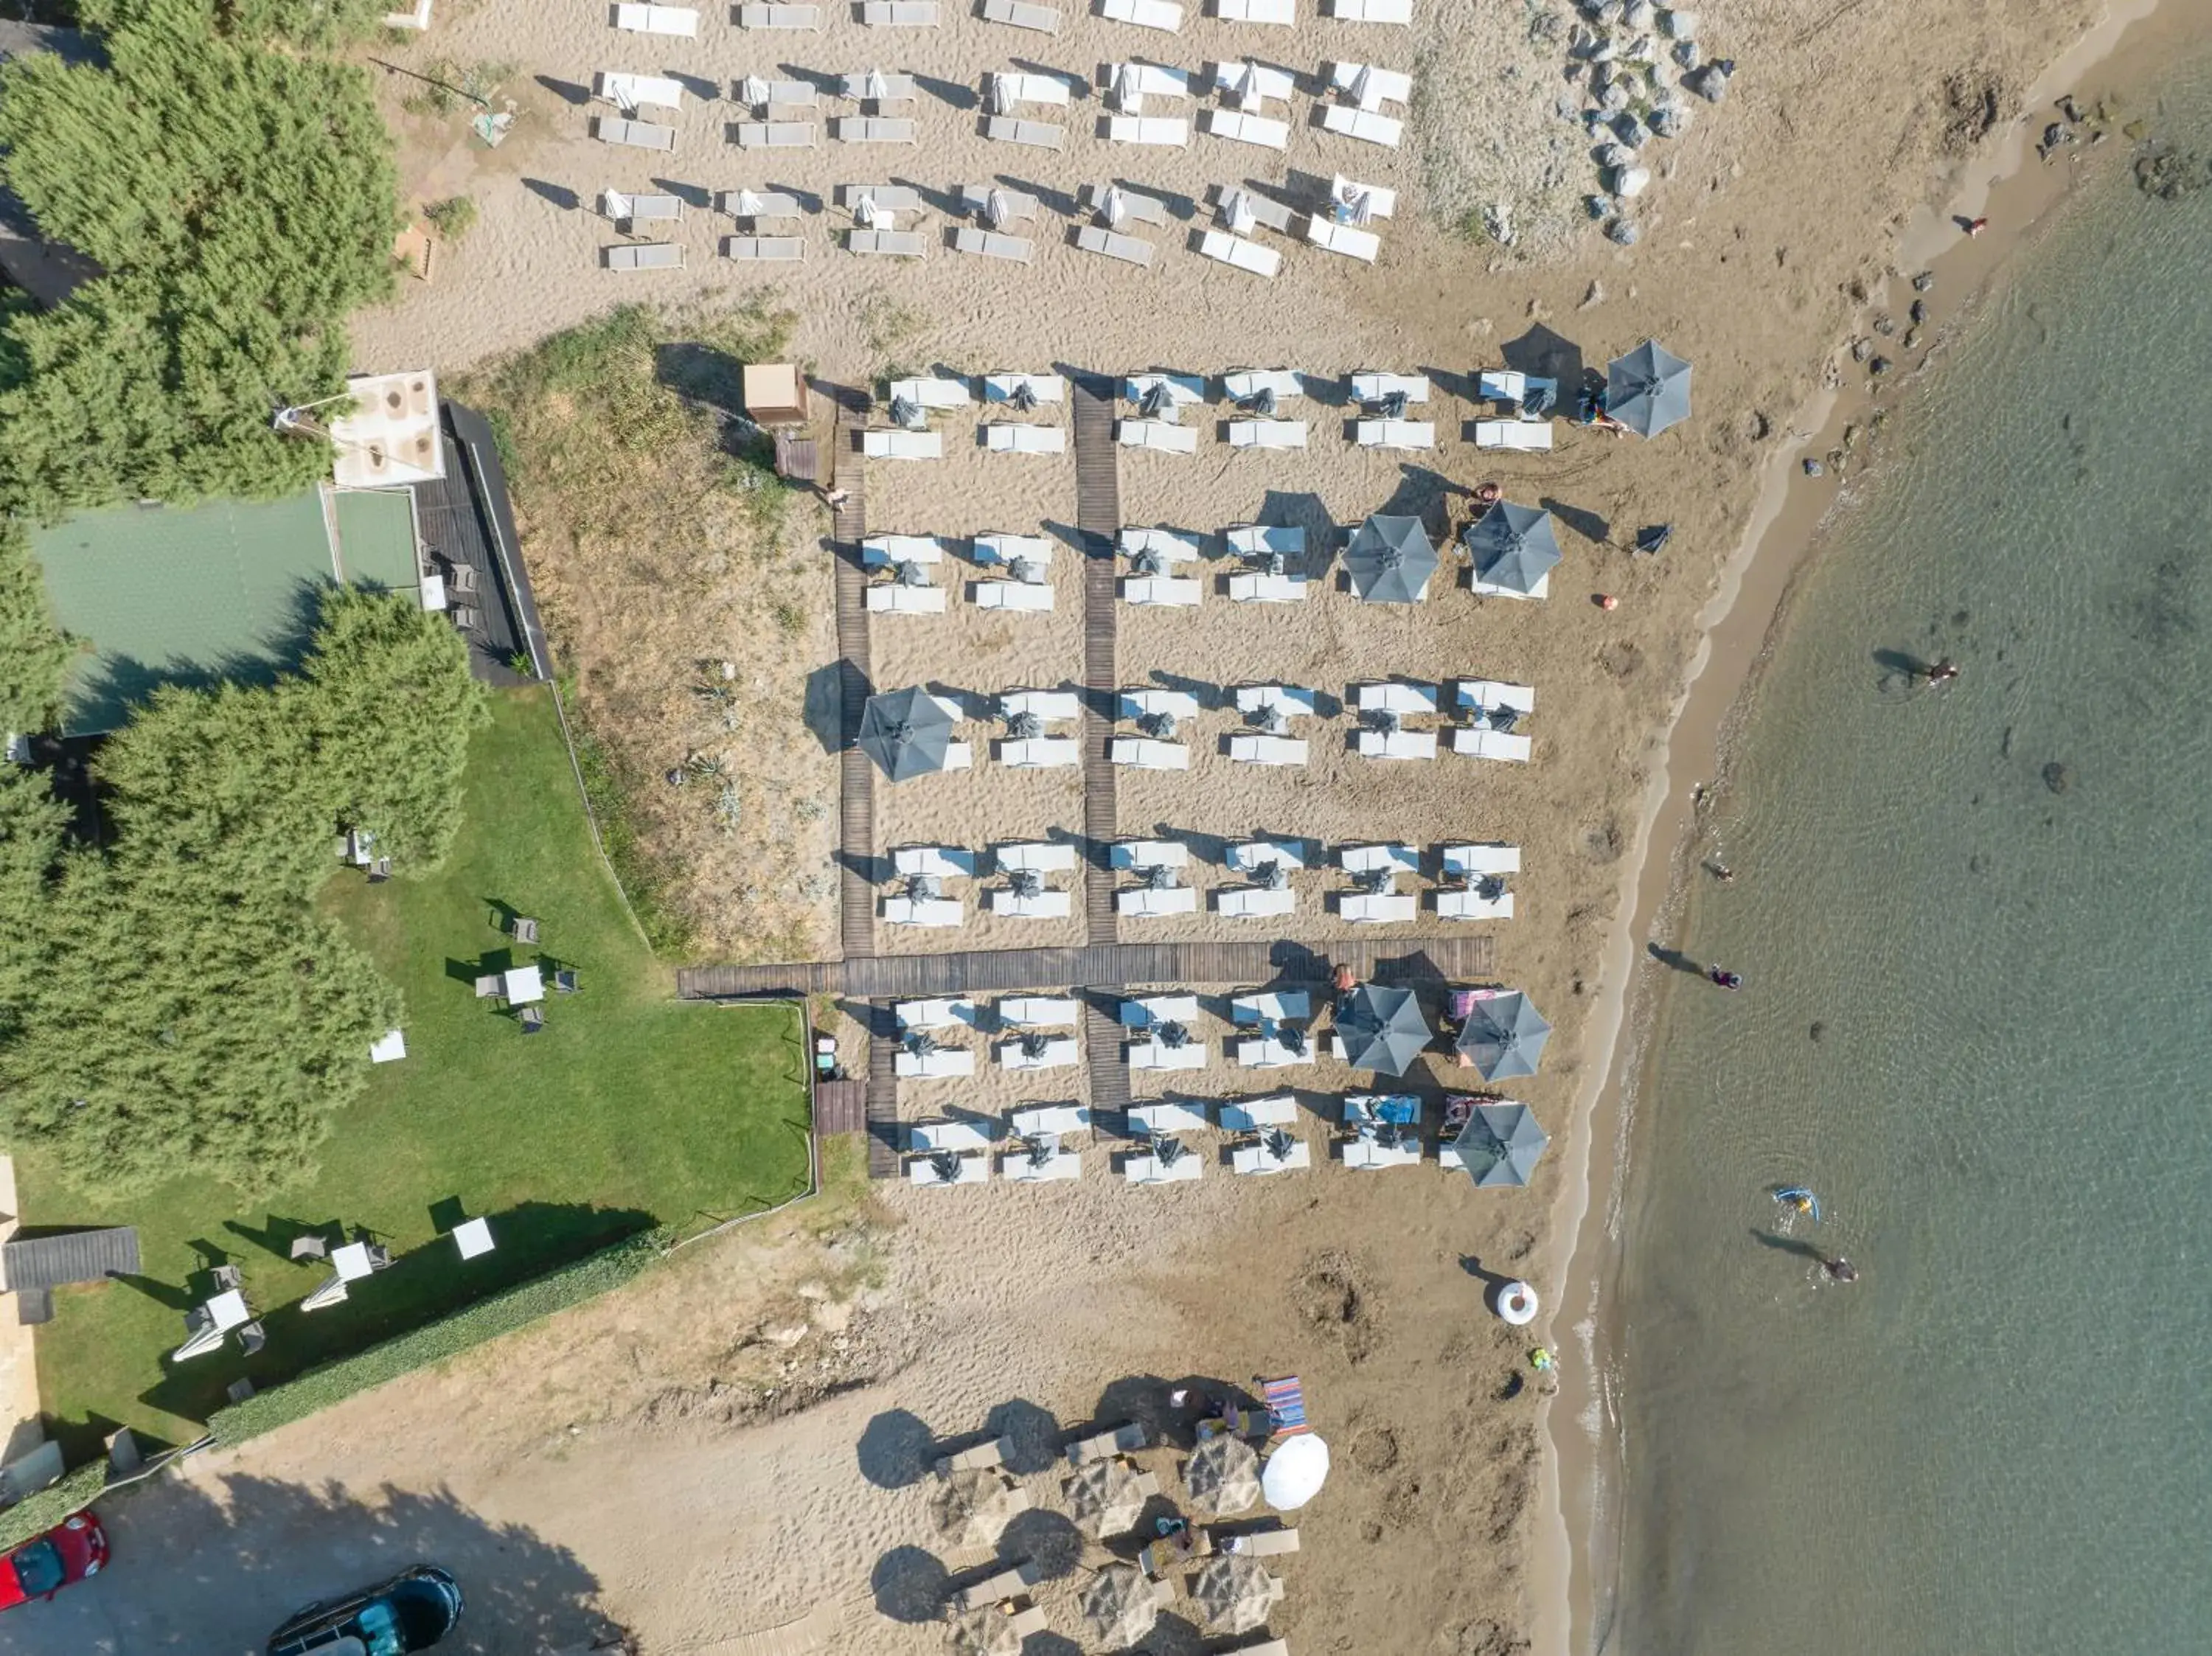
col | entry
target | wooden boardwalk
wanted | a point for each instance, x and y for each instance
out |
(856, 778)
(1449, 958)
(1099, 518)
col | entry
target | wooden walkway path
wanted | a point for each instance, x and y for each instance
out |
(1099, 518)
(1458, 958)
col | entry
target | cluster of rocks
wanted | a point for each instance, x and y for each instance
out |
(1634, 60)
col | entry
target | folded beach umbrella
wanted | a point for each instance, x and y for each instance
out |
(1504, 1036)
(1647, 390)
(1120, 1606)
(1380, 1030)
(907, 732)
(970, 1509)
(1391, 560)
(1223, 1476)
(1295, 1472)
(875, 84)
(1512, 546)
(1500, 1144)
(987, 1633)
(1235, 1592)
(1107, 1496)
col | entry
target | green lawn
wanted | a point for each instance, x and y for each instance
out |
(629, 1109)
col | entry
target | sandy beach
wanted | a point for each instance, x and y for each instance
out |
(768, 1391)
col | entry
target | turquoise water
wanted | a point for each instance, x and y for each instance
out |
(1997, 1440)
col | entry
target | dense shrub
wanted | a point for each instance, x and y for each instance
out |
(38, 1513)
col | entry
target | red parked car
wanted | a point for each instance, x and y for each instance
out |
(74, 1549)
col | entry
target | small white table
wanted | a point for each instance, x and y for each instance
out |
(472, 1237)
(522, 985)
(351, 1261)
(228, 1310)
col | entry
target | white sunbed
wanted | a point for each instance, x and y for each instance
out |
(1038, 135)
(1142, 1011)
(1261, 129)
(882, 551)
(1252, 902)
(1397, 744)
(996, 547)
(939, 1064)
(1250, 382)
(1164, 591)
(1061, 1118)
(622, 207)
(1050, 706)
(1135, 704)
(1044, 1012)
(1185, 391)
(1150, 1170)
(1240, 210)
(1153, 853)
(1029, 88)
(1011, 437)
(1044, 387)
(768, 249)
(1169, 545)
(897, 599)
(1038, 857)
(1248, 856)
(657, 20)
(1171, 1115)
(1147, 903)
(1489, 589)
(1366, 859)
(1370, 199)
(887, 89)
(1025, 597)
(1128, 249)
(1372, 11)
(899, 14)
(1486, 693)
(942, 1012)
(1377, 907)
(1370, 87)
(1471, 861)
(1042, 752)
(1254, 1159)
(1159, 130)
(1372, 387)
(1254, 84)
(1480, 743)
(1290, 701)
(933, 392)
(1251, 1115)
(628, 91)
(1396, 434)
(1363, 123)
(940, 862)
(1268, 433)
(781, 17)
(1058, 1054)
(1267, 589)
(1522, 436)
(874, 128)
(757, 205)
(1267, 751)
(1243, 255)
(902, 445)
(1271, 1006)
(1362, 244)
(1474, 906)
(885, 198)
(776, 135)
(1154, 1054)
(1041, 905)
(1160, 434)
(1021, 1169)
(973, 1170)
(1142, 753)
(1267, 1053)
(645, 256)
(1018, 206)
(1144, 13)
(1368, 1154)
(896, 244)
(1283, 12)
(1264, 540)
(1019, 14)
(635, 135)
(1396, 697)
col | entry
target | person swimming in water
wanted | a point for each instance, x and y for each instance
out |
(1726, 979)
(1943, 672)
(1840, 1270)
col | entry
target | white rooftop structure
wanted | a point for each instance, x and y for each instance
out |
(391, 434)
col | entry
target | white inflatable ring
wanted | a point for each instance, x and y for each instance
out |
(1516, 1304)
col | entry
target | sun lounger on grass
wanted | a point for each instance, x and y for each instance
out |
(1012, 437)
(635, 135)
(923, 910)
(1255, 1158)
(1151, 903)
(1142, 753)
(899, 14)
(1032, 597)
(1397, 744)
(1268, 433)
(776, 135)
(781, 17)
(1396, 434)
(1159, 434)
(1362, 244)
(644, 256)
(1252, 902)
(901, 444)
(1169, 592)
(1523, 436)
(1017, 14)
(1259, 129)
(1267, 750)
(931, 1170)
(1474, 906)
(1477, 743)
(657, 20)
(1372, 11)
(1092, 240)
(1243, 254)
(1040, 753)
(1369, 86)
(897, 243)
(628, 91)
(897, 599)
(1364, 124)
(1144, 13)
(1038, 135)
(874, 128)
(1162, 131)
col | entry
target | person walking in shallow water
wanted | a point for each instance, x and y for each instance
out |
(1943, 672)
(1726, 979)
(1840, 1270)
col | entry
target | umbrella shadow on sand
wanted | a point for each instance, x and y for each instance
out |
(909, 1584)
(896, 1449)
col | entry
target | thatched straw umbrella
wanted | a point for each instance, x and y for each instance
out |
(971, 1508)
(1120, 1605)
(1235, 1593)
(1107, 1496)
(1223, 1476)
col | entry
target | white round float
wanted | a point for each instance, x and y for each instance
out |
(1516, 1303)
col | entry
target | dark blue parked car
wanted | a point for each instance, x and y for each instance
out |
(411, 1613)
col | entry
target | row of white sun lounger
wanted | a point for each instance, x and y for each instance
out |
(1163, 14)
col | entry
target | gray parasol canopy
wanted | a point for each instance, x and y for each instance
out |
(1235, 1592)
(970, 1509)
(1647, 390)
(1120, 1605)
(1223, 1476)
(906, 732)
(1380, 1030)
(1391, 560)
(1107, 1496)
(1504, 1036)
(985, 1633)
(1512, 546)
(1500, 1144)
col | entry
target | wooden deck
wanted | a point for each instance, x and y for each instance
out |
(1460, 958)
(1099, 518)
(856, 777)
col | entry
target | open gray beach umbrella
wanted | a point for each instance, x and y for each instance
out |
(971, 1508)
(1235, 1592)
(1391, 560)
(1500, 1143)
(1223, 1476)
(1120, 1605)
(1647, 390)
(1504, 1036)
(906, 732)
(1380, 1030)
(1513, 546)
(985, 1633)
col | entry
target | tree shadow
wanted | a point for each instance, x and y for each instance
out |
(216, 1564)
(178, 1299)
(909, 1585)
(278, 1235)
(896, 1448)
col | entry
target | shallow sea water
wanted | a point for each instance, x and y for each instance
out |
(1975, 926)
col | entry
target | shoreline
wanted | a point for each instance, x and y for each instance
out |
(1575, 1552)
